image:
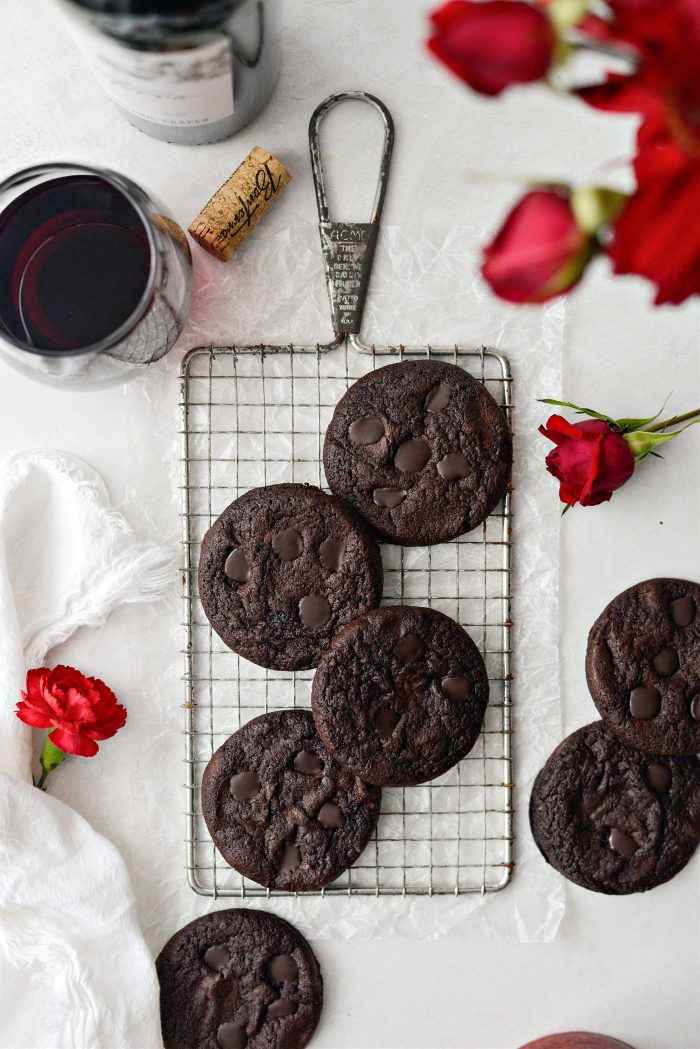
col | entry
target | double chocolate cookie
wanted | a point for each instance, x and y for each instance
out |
(643, 666)
(576, 1040)
(282, 570)
(612, 819)
(238, 979)
(400, 695)
(280, 809)
(421, 449)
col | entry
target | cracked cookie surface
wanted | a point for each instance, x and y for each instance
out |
(613, 819)
(238, 979)
(280, 809)
(643, 666)
(421, 449)
(282, 569)
(400, 695)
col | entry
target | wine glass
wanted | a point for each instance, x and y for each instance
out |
(95, 277)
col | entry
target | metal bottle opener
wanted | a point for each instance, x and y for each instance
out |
(348, 247)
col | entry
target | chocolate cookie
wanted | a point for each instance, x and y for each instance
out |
(400, 695)
(612, 819)
(280, 809)
(643, 666)
(421, 449)
(577, 1040)
(238, 979)
(282, 570)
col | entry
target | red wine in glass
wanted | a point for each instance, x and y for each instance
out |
(75, 263)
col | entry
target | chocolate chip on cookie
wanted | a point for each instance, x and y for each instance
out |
(421, 449)
(613, 819)
(280, 809)
(400, 695)
(283, 569)
(643, 666)
(238, 979)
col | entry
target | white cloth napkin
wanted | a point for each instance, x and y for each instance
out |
(75, 971)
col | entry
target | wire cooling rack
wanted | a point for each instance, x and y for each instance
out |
(257, 415)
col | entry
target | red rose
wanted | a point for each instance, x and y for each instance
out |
(540, 251)
(663, 85)
(657, 235)
(493, 44)
(591, 459)
(79, 709)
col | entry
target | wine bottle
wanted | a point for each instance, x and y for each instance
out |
(185, 71)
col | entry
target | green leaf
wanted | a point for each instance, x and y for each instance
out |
(581, 411)
(643, 443)
(626, 425)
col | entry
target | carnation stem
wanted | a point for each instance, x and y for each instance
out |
(42, 779)
(672, 422)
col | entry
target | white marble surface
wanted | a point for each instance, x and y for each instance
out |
(626, 966)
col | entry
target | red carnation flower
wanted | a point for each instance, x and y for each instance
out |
(493, 43)
(79, 709)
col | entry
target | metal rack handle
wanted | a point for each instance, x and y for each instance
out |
(348, 247)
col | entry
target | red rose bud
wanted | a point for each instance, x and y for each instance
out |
(492, 44)
(541, 250)
(591, 459)
(79, 709)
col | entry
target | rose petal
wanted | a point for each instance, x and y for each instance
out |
(593, 471)
(568, 494)
(558, 428)
(591, 460)
(493, 45)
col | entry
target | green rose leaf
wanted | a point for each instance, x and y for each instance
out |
(581, 411)
(637, 424)
(627, 425)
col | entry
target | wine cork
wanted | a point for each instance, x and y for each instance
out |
(226, 220)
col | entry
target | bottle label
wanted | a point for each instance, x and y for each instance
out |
(189, 88)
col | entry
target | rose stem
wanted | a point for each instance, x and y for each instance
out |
(672, 422)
